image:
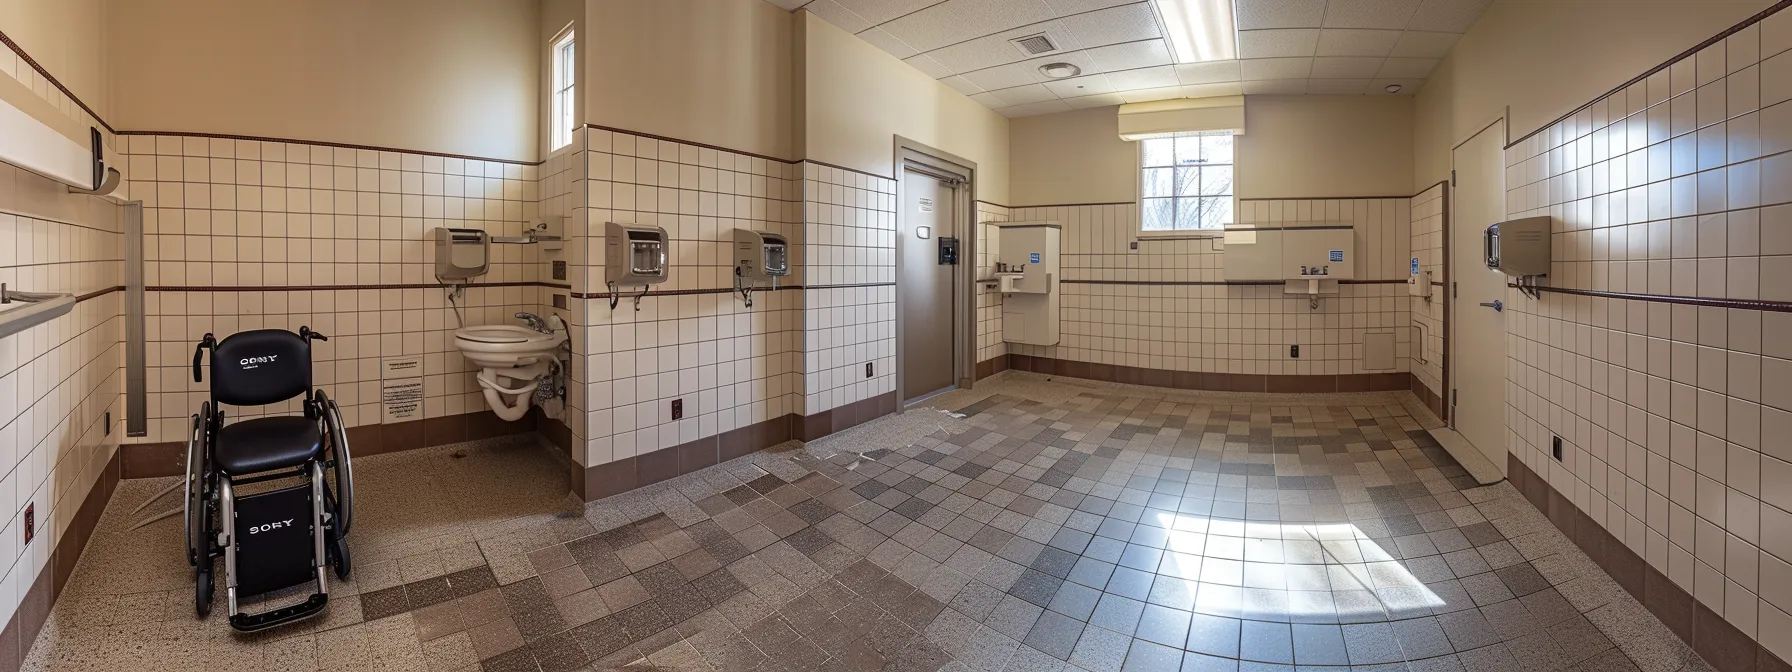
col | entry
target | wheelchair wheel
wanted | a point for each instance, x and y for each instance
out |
(341, 479)
(338, 555)
(193, 500)
(202, 589)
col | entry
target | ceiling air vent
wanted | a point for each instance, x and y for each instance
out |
(1034, 45)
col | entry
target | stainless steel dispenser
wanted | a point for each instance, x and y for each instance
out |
(634, 255)
(758, 255)
(461, 254)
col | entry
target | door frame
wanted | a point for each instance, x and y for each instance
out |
(908, 152)
(1453, 307)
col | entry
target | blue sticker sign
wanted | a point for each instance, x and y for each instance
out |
(1415, 266)
(1337, 256)
(1035, 258)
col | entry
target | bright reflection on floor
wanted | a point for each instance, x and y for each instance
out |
(1286, 572)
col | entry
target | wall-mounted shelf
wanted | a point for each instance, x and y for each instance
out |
(23, 310)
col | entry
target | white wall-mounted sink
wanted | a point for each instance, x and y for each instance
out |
(501, 346)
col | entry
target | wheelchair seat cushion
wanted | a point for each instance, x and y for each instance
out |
(265, 444)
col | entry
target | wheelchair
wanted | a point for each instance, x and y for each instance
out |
(271, 537)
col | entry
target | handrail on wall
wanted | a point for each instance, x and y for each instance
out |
(23, 310)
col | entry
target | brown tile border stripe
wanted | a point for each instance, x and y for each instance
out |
(41, 72)
(155, 460)
(1216, 283)
(328, 143)
(1333, 198)
(324, 288)
(1215, 382)
(21, 630)
(693, 143)
(1713, 638)
(840, 167)
(1700, 301)
(1782, 4)
(98, 293)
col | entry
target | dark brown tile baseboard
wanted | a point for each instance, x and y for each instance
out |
(1717, 641)
(619, 476)
(21, 630)
(1216, 382)
(992, 366)
(154, 460)
(1432, 400)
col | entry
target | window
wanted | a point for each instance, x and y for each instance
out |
(1185, 182)
(565, 61)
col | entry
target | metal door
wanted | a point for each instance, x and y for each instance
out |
(1477, 321)
(924, 285)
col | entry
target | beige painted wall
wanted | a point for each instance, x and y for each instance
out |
(1293, 147)
(453, 76)
(858, 98)
(63, 36)
(1543, 58)
(711, 71)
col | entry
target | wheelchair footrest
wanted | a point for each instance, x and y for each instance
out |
(268, 619)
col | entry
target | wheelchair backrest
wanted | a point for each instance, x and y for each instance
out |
(264, 366)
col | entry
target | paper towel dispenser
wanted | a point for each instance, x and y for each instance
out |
(461, 254)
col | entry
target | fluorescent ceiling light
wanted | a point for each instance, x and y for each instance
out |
(1200, 30)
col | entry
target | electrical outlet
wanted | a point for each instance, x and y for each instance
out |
(867, 369)
(677, 409)
(1135, 245)
(1555, 447)
(1294, 351)
(30, 521)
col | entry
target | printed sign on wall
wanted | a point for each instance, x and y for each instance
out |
(401, 389)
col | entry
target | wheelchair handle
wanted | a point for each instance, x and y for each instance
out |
(208, 341)
(307, 334)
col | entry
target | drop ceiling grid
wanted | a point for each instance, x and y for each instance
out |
(1284, 46)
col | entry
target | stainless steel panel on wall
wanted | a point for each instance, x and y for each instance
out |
(926, 297)
(136, 373)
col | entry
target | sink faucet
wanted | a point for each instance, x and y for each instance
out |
(535, 322)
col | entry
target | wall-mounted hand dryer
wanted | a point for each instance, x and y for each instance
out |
(635, 254)
(760, 255)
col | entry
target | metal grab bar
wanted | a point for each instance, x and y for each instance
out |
(42, 308)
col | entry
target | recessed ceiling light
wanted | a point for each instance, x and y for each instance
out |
(1393, 88)
(1060, 70)
(1199, 30)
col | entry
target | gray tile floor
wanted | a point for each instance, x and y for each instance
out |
(1035, 525)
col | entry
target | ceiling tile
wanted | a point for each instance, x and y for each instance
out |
(882, 39)
(1260, 14)
(988, 100)
(1021, 95)
(1098, 100)
(928, 66)
(1034, 109)
(1086, 85)
(1419, 44)
(1131, 55)
(1281, 86)
(983, 17)
(879, 11)
(1127, 23)
(1207, 72)
(1337, 87)
(998, 49)
(962, 85)
(1275, 68)
(1068, 7)
(1387, 14)
(1407, 86)
(1449, 16)
(1278, 43)
(788, 5)
(1407, 68)
(1143, 78)
(1147, 95)
(1211, 90)
(833, 13)
(1005, 76)
(1346, 67)
(1356, 42)
(930, 28)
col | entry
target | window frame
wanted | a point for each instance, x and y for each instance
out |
(1138, 173)
(562, 102)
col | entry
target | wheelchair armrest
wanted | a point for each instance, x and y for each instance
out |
(208, 341)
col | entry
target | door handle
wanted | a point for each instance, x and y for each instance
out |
(1496, 305)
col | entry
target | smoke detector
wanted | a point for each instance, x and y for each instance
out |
(1034, 45)
(1393, 88)
(1060, 70)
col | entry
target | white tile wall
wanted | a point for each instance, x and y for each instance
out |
(1427, 244)
(989, 301)
(1216, 328)
(1674, 416)
(223, 214)
(849, 229)
(733, 366)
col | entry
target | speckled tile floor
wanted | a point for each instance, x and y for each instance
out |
(1032, 525)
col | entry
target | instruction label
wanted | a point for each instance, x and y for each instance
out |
(401, 389)
(1034, 258)
(1337, 256)
(1415, 266)
(926, 204)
